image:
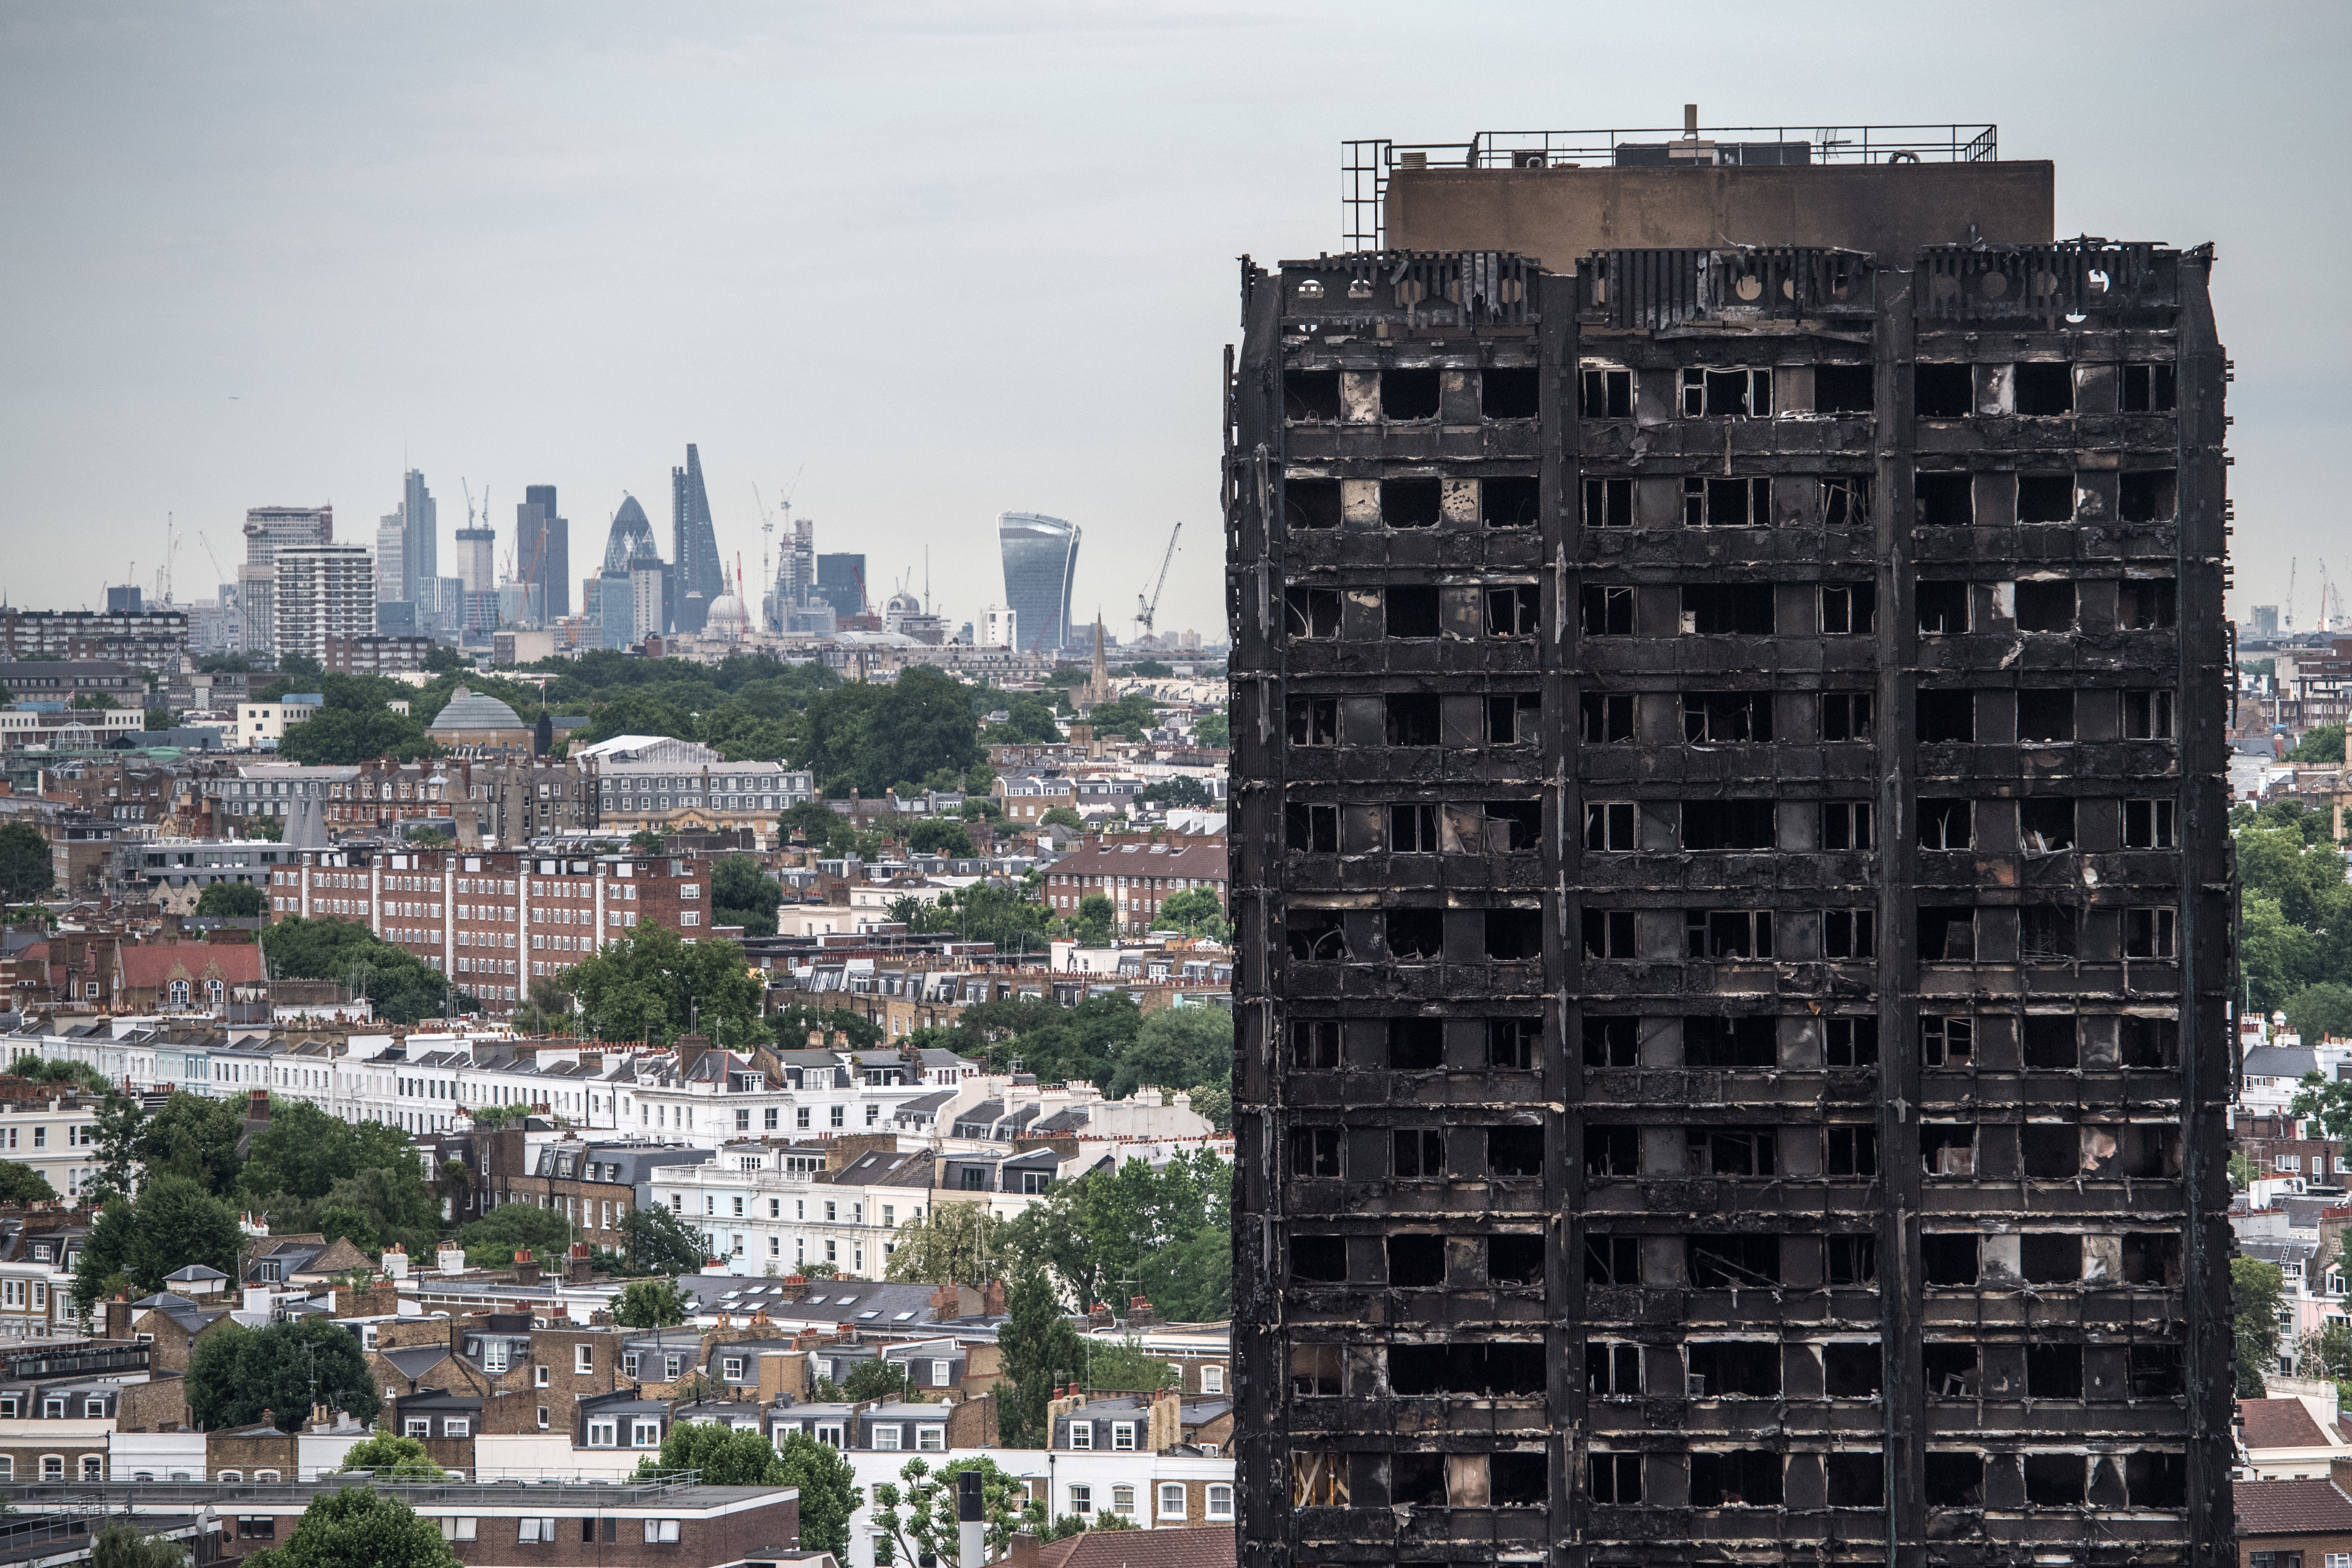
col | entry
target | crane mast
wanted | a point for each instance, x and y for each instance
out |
(1147, 608)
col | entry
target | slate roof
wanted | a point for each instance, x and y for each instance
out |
(2289, 1508)
(2281, 1062)
(416, 1360)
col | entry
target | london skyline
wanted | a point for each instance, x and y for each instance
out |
(265, 256)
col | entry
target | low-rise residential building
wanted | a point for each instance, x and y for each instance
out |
(260, 724)
(2295, 1523)
(670, 795)
(1138, 876)
(616, 1523)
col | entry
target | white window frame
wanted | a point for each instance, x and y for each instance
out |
(583, 1360)
(1166, 1489)
(600, 1432)
(1082, 1499)
(1122, 1437)
(644, 1432)
(887, 1436)
(931, 1438)
(1213, 1379)
(1082, 1437)
(1221, 1501)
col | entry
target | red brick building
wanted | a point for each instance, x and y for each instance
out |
(494, 919)
(1136, 875)
(2294, 1525)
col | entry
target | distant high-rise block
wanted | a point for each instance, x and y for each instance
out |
(543, 551)
(323, 591)
(841, 582)
(1041, 562)
(270, 529)
(694, 543)
(420, 558)
(390, 554)
(477, 559)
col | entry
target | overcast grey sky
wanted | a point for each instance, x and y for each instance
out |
(953, 259)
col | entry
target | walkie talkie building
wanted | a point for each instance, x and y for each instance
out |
(1041, 562)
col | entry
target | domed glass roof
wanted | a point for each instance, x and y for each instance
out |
(474, 711)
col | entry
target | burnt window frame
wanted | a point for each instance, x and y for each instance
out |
(1701, 941)
(1848, 717)
(1608, 502)
(1714, 501)
(1604, 819)
(1598, 717)
(1697, 388)
(1604, 390)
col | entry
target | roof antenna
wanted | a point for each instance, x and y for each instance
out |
(1690, 121)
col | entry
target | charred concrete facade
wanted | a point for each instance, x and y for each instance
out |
(1734, 908)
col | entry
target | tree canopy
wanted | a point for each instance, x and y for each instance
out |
(359, 1527)
(661, 1243)
(391, 1455)
(952, 1244)
(655, 1303)
(133, 1244)
(916, 1513)
(236, 1373)
(2254, 1290)
(1040, 1349)
(233, 900)
(1168, 1229)
(26, 870)
(652, 985)
(744, 895)
(401, 987)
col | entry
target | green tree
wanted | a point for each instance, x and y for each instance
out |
(359, 1527)
(938, 836)
(172, 1223)
(792, 1026)
(491, 1241)
(1127, 1367)
(487, 1117)
(388, 1454)
(948, 1245)
(1215, 1101)
(745, 895)
(1039, 1347)
(1180, 791)
(2254, 1290)
(650, 984)
(24, 1184)
(829, 1491)
(121, 1121)
(196, 1137)
(547, 1006)
(723, 1456)
(236, 1373)
(1028, 722)
(340, 737)
(1196, 912)
(1169, 1229)
(2243, 1173)
(399, 985)
(871, 736)
(1177, 1047)
(2320, 1011)
(233, 900)
(877, 1379)
(1214, 729)
(660, 1243)
(916, 1513)
(645, 841)
(1093, 922)
(26, 871)
(121, 1544)
(1063, 816)
(654, 1303)
(2321, 743)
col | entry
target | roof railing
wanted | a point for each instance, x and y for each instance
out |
(1366, 164)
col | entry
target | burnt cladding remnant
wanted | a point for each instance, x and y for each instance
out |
(1733, 905)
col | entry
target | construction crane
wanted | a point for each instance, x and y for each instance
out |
(218, 570)
(2292, 563)
(1146, 608)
